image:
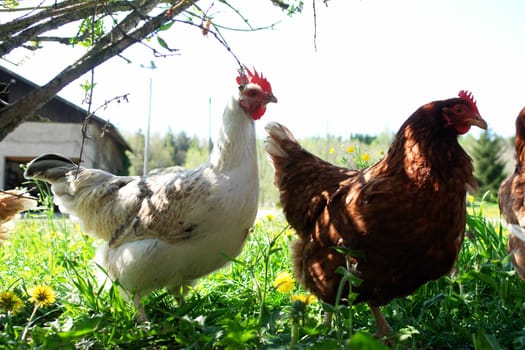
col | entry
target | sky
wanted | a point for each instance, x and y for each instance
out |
(375, 62)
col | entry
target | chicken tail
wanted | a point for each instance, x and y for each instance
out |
(284, 150)
(49, 167)
(279, 140)
(303, 179)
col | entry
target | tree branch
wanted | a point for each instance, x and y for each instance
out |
(17, 32)
(64, 8)
(14, 114)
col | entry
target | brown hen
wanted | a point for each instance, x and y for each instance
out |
(511, 198)
(402, 219)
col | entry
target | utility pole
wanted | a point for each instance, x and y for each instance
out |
(152, 66)
(210, 145)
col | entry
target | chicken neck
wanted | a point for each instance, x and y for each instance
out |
(424, 157)
(235, 147)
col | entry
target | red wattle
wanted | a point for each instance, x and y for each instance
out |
(258, 113)
(462, 128)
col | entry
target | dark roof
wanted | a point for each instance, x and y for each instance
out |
(75, 114)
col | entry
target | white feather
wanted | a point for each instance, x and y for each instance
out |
(517, 231)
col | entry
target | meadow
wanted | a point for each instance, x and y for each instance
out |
(50, 298)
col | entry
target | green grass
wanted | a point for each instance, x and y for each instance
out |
(480, 306)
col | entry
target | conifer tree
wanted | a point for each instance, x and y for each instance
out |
(489, 169)
(136, 158)
(182, 144)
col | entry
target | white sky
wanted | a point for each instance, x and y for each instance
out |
(376, 62)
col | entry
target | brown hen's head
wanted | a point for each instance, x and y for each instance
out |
(255, 93)
(462, 112)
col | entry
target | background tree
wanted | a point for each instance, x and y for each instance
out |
(169, 144)
(197, 153)
(489, 169)
(182, 144)
(136, 159)
(106, 28)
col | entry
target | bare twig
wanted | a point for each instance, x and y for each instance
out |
(217, 36)
(89, 99)
(238, 13)
(105, 127)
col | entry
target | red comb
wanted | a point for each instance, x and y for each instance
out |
(467, 95)
(256, 78)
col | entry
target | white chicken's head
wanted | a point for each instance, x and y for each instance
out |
(255, 92)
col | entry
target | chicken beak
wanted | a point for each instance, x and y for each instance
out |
(478, 121)
(270, 98)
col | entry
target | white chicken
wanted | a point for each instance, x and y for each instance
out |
(166, 231)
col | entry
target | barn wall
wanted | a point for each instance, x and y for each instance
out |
(32, 139)
(56, 128)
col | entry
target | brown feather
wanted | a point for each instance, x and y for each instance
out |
(12, 202)
(511, 198)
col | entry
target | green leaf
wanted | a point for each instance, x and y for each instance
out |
(166, 26)
(485, 278)
(361, 341)
(484, 341)
(162, 43)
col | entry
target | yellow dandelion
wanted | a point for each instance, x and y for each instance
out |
(366, 157)
(331, 150)
(42, 295)
(305, 299)
(289, 232)
(10, 302)
(470, 199)
(350, 149)
(51, 235)
(270, 217)
(284, 282)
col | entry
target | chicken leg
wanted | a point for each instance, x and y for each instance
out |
(142, 318)
(382, 326)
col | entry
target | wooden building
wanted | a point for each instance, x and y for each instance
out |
(56, 128)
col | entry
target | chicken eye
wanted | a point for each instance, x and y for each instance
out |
(251, 93)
